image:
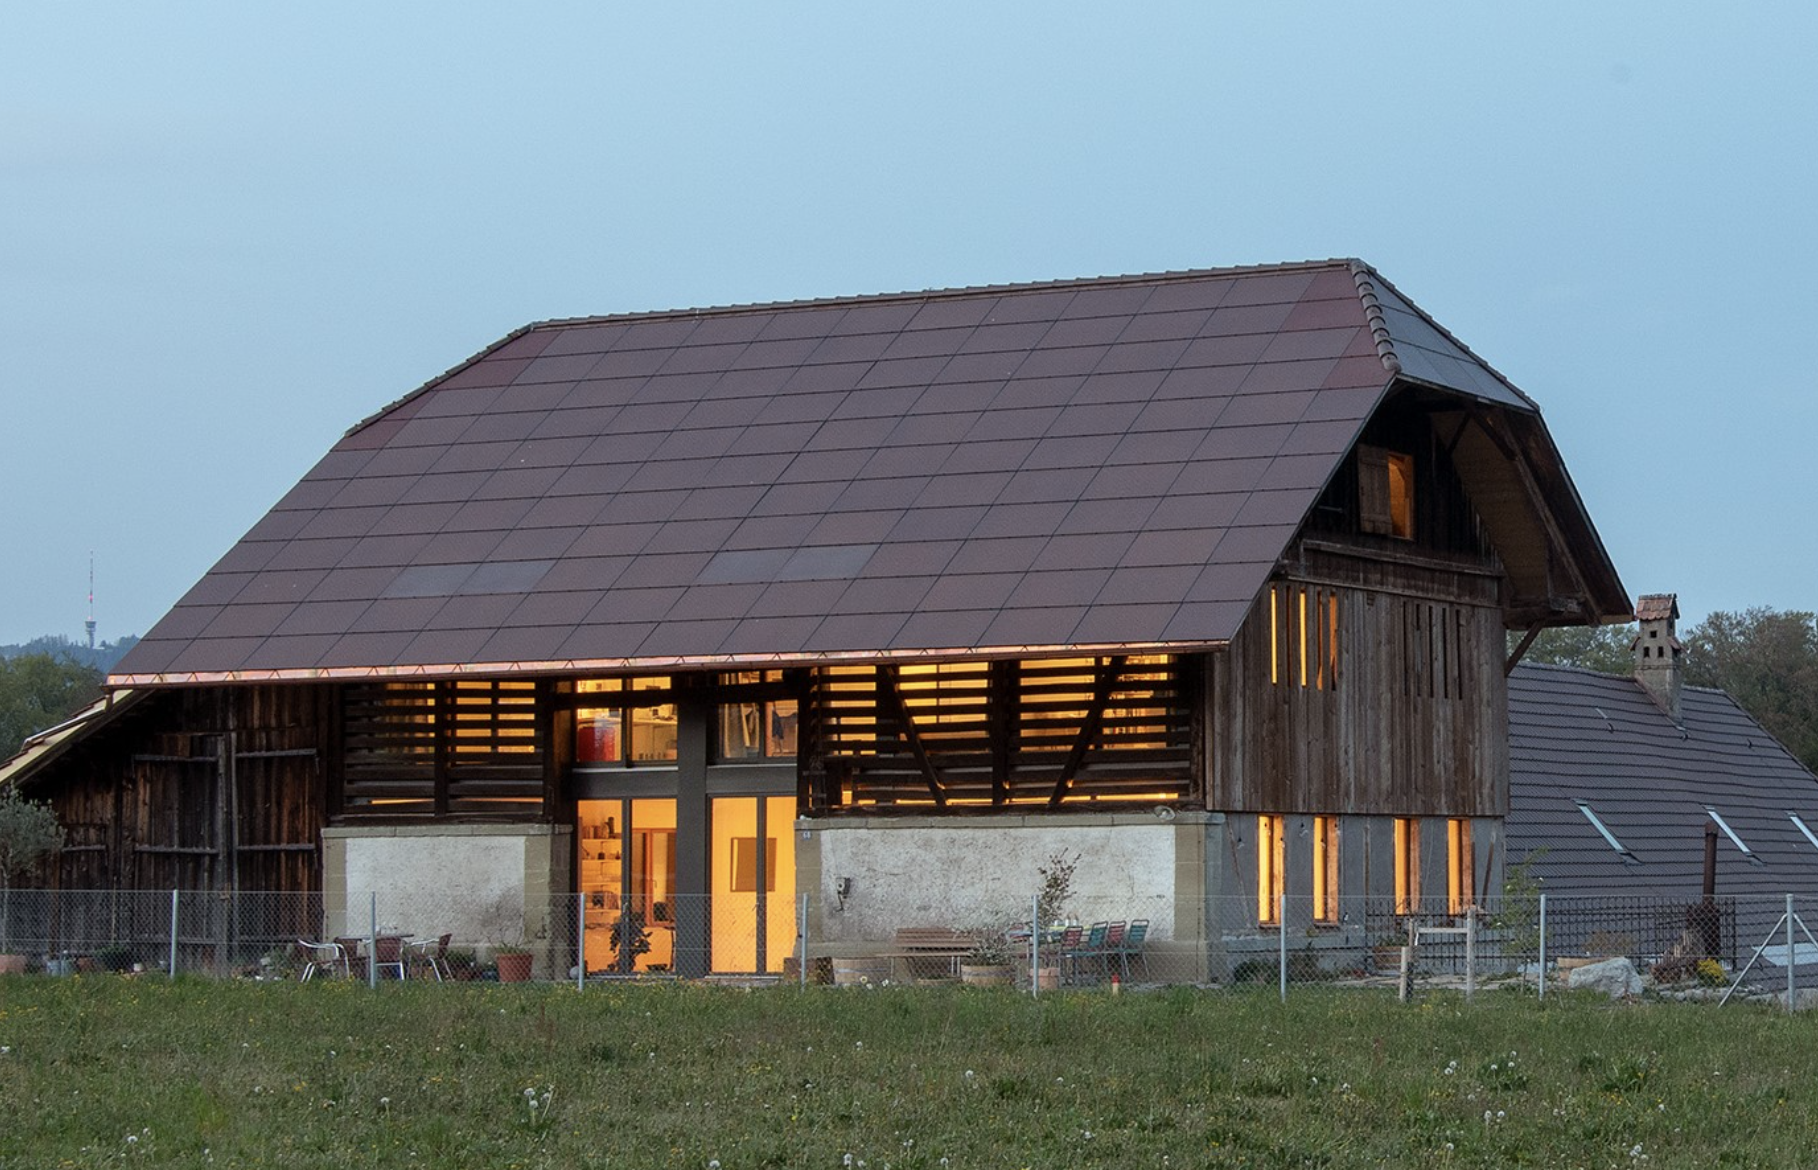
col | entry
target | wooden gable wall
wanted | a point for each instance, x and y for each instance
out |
(1401, 705)
(204, 788)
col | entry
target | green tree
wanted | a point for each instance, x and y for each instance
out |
(1768, 662)
(1608, 649)
(39, 691)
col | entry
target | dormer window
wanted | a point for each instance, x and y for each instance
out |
(1385, 492)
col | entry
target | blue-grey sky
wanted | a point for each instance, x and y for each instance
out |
(230, 231)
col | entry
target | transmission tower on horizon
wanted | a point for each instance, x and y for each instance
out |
(90, 623)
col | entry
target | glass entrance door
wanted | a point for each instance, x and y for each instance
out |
(627, 877)
(753, 882)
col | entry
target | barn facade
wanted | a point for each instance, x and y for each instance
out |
(1203, 577)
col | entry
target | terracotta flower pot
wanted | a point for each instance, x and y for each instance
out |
(514, 968)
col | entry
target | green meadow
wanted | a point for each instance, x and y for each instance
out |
(108, 1070)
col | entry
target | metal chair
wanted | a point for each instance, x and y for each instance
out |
(1092, 948)
(388, 952)
(320, 956)
(352, 957)
(1131, 947)
(433, 951)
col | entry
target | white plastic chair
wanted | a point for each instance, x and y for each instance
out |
(321, 956)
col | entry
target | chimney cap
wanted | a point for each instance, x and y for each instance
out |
(1652, 607)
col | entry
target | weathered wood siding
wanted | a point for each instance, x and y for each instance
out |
(209, 788)
(1411, 722)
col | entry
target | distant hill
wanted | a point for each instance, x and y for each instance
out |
(101, 658)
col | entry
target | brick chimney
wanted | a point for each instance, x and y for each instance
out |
(1658, 650)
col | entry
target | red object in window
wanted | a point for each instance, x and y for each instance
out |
(597, 739)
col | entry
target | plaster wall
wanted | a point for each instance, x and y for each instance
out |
(984, 871)
(485, 884)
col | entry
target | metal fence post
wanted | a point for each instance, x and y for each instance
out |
(173, 934)
(1542, 977)
(802, 918)
(1470, 953)
(580, 942)
(1035, 947)
(1791, 956)
(1281, 932)
(372, 942)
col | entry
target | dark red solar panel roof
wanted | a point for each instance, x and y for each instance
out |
(1101, 463)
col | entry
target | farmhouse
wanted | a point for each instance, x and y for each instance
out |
(1203, 576)
(1642, 788)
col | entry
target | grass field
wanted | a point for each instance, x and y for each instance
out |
(105, 1070)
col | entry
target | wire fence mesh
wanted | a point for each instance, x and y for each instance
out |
(1536, 942)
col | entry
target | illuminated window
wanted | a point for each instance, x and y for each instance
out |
(624, 720)
(1401, 496)
(1270, 849)
(1325, 869)
(764, 728)
(1407, 865)
(1385, 492)
(1461, 879)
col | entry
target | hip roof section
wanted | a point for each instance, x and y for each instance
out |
(1090, 465)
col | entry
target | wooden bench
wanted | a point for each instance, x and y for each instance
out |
(928, 951)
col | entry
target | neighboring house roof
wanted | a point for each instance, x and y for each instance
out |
(1578, 737)
(42, 747)
(1098, 465)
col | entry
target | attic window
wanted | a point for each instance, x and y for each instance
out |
(1799, 823)
(1731, 834)
(1385, 492)
(1604, 831)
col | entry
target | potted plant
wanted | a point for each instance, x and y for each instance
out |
(463, 964)
(513, 962)
(629, 940)
(29, 833)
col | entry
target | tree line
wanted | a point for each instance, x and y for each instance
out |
(1766, 659)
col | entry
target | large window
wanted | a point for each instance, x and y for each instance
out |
(762, 723)
(1271, 851)
(624, 721)
(1407, 865)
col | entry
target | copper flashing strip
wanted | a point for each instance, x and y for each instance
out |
(663, 664)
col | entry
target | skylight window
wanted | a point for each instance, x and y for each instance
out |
(1731, 834)
(1604, 831)
(1799, 823)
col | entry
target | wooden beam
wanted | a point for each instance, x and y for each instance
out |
(1088, 729)
(1527, 640)
(889, 691)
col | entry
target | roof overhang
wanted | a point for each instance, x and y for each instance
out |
(1559, 573)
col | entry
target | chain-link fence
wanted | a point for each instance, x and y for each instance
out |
(1535, 942)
